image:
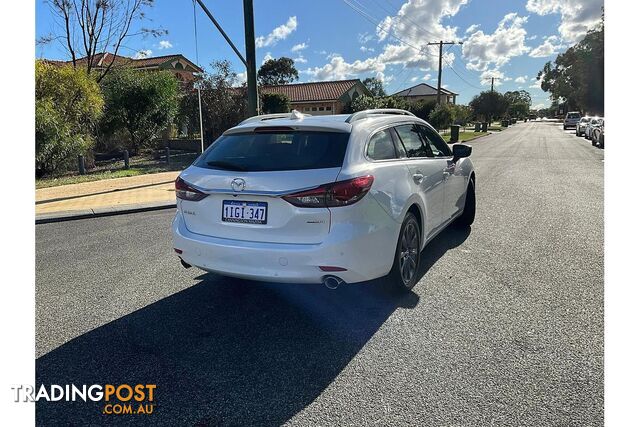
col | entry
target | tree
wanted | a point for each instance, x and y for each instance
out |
(488, 105)
(369, 102)
(68, 106)
(422, 108)
(375, 86)
(442, 116)
(519, 103)
(576, 77)
(93, 27)
(141, 103)
(277, 72)
(462, 114)
(275, 103)
(223, 104)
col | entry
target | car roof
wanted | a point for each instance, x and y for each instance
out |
(332, 122)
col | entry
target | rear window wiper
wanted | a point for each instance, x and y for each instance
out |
(226, 165)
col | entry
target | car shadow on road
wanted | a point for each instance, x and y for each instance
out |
(226, 351)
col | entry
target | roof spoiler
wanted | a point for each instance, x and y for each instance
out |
(368, 113)
(293, 115)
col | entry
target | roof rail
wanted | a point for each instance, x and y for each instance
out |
(294, 115)
(368, 113)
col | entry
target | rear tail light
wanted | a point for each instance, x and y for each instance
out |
(341, 193)
(186, 192)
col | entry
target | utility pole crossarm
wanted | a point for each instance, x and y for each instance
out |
(492, 80)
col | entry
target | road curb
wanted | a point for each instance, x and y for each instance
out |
(102, 212)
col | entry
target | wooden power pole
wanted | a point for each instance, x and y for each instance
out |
(440, 44)
(492, 80)
(250, 47)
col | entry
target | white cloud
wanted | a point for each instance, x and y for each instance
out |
(472, 28)
(533, 37)
(364, 38)
(300, 59)
(339, 69)
(549, 47)
(267, 56)
(143, 54)
(577, 16)
(521, 79)
(298, 47)
(164, 44)
(366, 49)
(483, 50)
(536, 84)
(241, 78)
(278, 33)
(539, 106)
(413, 51)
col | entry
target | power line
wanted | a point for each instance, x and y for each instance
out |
(375, 22)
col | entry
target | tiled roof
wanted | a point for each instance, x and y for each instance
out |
(314, 91)
(102, 59)
(422, 89)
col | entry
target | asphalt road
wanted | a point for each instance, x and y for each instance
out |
(504, 328)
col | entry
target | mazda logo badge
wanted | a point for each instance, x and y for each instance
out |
(238, 184)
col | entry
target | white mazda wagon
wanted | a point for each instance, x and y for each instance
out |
(325, 199)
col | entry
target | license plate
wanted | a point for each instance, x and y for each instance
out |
(244, 212)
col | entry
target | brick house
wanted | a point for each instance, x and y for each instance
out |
(427, 92)
(320, 98)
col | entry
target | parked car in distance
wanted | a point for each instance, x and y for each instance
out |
(597, 134)
(582, 125)
(571, 119)
(322, 199)
(593, 123)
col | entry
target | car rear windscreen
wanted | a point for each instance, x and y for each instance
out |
(276, 151)
(573, 115)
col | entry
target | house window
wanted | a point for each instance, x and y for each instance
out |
(320, 108)
(314, 109)
(329, 108)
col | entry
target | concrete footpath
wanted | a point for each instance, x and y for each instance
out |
(106, 197)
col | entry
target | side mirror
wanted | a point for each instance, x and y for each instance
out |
(460, 151)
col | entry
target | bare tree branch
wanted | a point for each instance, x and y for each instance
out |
(93, 28)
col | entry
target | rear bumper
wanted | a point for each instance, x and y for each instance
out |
(365, 250)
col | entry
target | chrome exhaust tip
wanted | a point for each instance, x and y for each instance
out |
(332, 282)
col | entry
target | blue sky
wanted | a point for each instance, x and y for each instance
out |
(337, 39)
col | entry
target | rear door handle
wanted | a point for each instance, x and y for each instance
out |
(418, 177)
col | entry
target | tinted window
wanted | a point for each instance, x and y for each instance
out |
(276, 151)
(410, 138)
(381, 146)
(438, 147)
(573, 115)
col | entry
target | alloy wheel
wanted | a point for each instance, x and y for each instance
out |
(409, 246)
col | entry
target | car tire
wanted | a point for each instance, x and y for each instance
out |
(601, 141)
(469, 213)
(564, 127)
(406, 262)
